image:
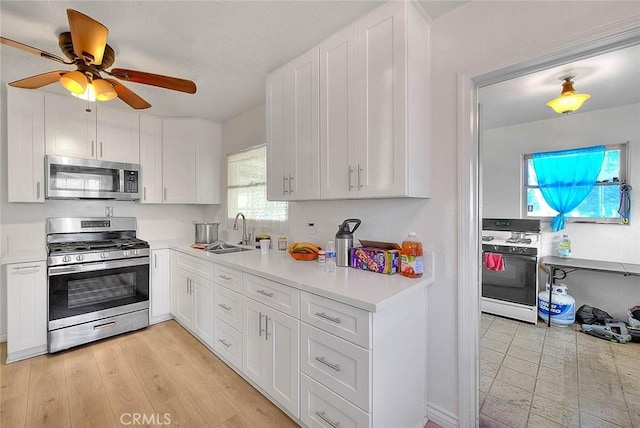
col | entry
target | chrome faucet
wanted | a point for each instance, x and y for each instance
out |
(245, 238)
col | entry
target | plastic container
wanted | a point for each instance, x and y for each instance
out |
(411, 263)
(563, 306)
(282, 243)
(322, 256)
(330, 258)
(564, 247)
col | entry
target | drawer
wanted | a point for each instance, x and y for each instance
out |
(337, 364)
(321, 408)
(278, 296)
(350, 323)
(230, 278)
(228, 343)
(194, 265)
(229, 307)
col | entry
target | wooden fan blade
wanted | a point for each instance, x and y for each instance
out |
(32, 50)
(158, 80)
(89, 37)
(35, 82)
(128, 96)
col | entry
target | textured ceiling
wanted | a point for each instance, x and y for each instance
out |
(226, 47)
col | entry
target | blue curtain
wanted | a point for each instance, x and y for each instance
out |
(566, 177)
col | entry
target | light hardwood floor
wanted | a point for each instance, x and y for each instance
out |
(161, 373)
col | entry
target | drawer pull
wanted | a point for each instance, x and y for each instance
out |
(225, 307)
(25, 267)
(323, 415)
(105, 325)
(327, 317)
(264, 293)
(225, 277)
(324, 361)
(225, 343)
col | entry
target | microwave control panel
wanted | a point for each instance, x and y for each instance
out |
(131, 181)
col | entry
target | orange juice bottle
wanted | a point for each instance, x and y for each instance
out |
(411, 257)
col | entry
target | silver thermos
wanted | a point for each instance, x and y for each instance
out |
(344, 241)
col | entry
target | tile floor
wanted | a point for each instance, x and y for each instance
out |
(539, 377)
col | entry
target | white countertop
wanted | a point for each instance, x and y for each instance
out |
(25, 256)
(366, 290)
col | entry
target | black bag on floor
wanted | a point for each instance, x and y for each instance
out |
(589, 315)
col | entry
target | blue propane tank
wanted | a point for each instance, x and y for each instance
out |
(563, 306)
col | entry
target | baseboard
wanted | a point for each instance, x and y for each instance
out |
(442, 417)
(160, 318)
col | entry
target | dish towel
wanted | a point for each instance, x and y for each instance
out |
(493, 261)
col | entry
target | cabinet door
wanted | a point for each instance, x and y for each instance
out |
(282, 334)
(151, 159)
(255, 364)
(208, 161)
(381, 102)
(26, 310)
(303, 145)
(182, 305)
(178, 161)
(202, 291)
(25, 123)
(338, 110)
(277, 172)
(70, 127)
(118, 135)
(160, 299)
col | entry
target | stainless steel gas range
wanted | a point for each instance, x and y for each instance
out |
(98, 279)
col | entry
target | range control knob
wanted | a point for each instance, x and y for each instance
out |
(80, 257)
(104, 255)
(126, 253)
(136, 252)
(66, 259)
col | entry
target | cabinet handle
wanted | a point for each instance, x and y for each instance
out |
(327, 317)
(101, 149)
(37, 190)
(165, 194)
(188, 286)
(225, 277)
(290, 181)
(359, 171)
(284, 184)
(225, 307)
(266, 327)
(260, 324)
(155, 261)
(105, 325)
(225, 343)
(144, 193)
(324, 361)
(350, 171)
(264, 293)
(92, 148)
(322, 415)
(26, 267)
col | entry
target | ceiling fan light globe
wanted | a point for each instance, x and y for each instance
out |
(74, 82)
(104, 90)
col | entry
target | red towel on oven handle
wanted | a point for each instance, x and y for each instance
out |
(494, 261)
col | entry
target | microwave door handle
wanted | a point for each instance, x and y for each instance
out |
(121, 173)
(88, 267)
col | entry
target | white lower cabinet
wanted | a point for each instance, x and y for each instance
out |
(160, 287)
(270, 355)
(26, 310)
(192, 295)
(228, 312)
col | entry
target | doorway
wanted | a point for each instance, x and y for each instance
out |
(471, 200)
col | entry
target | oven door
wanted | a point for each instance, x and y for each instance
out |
(517, 283)
(87, 292)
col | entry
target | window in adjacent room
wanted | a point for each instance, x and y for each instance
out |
(602, 203)
(247, 187)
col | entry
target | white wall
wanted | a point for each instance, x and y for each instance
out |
(502, 151)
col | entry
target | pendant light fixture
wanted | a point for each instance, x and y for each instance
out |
(568, 101)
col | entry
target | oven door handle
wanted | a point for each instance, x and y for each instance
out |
(89, 267)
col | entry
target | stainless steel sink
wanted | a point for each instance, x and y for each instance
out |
(224, 248)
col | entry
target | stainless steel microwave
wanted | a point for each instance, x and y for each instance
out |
(75, 178)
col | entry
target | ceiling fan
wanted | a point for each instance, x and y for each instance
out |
(85, 45)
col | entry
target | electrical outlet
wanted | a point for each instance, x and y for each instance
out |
(311, 228)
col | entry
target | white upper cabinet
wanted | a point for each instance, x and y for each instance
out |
(25, 151)
(81, 129)
(292, 130)
(151, 159)
(191, 161)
